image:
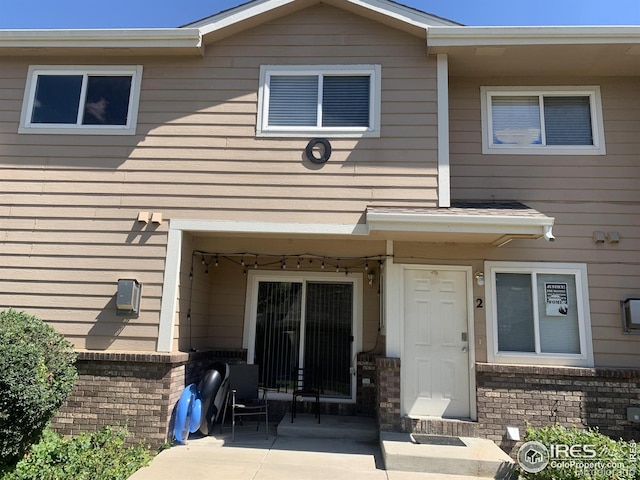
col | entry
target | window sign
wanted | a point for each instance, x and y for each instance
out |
(556, 299)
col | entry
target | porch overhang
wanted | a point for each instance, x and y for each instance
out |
(480, 223)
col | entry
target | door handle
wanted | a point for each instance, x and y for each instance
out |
(465, 349)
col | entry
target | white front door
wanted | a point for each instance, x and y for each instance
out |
(435, 358)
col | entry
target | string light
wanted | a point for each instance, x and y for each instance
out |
(262, 260)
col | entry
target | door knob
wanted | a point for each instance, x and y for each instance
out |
(465, 349)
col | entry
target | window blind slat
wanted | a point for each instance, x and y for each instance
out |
(345, 101)
(568, 120)
(516, 120)
(293, 100)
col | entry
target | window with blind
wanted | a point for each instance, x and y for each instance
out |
(546, 120)
(304, 321)
(312, 100)
(539, 312)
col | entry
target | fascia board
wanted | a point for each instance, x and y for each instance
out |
(103, 38)
(506, 36)
(458, 223)
(238, 14)
(275, 228)
(402, 13)
(250, 10)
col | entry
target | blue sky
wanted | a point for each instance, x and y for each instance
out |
(171, 13)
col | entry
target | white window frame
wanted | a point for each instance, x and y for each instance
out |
(26, 126)
(579, 270)
(593, 92)
(249, 331)
(266, 71)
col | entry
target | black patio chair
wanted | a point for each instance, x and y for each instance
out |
(307, 389)
(244, 397)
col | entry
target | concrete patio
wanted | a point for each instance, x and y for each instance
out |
(303, 450)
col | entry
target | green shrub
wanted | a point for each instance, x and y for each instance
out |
(37, 373)
(604, 459)
(91, 456)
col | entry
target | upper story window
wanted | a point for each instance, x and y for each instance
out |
(81, 99)
(336, 100)
(542, 120)
(538, 314)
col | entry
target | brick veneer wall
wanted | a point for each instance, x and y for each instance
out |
(585, 397)
(388, 394)
(367, 385)
(140, 390)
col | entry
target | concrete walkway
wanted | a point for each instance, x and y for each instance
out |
(252, 457)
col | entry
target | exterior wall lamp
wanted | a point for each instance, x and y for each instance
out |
(128, 298)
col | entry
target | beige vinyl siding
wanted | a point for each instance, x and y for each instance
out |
(69, 203)
(584, 194)
(227, 282)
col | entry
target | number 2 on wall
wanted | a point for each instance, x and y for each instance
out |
(479, 303)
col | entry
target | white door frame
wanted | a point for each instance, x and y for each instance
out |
(399, 277)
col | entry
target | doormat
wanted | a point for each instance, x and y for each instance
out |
(437, 440)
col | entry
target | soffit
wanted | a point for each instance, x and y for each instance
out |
(533, 51)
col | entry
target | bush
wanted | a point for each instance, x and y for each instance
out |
(610, 460)
(37, 374)
(91, 456)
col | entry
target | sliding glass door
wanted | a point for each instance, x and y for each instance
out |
(304, 322)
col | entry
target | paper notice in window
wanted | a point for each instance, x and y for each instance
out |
(556, 299)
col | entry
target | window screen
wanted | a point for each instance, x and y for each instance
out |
(568, 120)
(301, 100)
(56, 99)
(293, 100)
(107, 101)
(546, 301)
(517, 120)
(345, 101)
(515, 313)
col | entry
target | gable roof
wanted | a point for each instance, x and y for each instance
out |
(190, 39)
(258, 11)
(441, 35)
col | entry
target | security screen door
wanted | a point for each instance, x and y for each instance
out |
(305, 324)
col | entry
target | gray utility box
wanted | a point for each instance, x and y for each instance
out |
(633, 414)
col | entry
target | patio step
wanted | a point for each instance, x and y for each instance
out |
(362, 429)
(476, 458)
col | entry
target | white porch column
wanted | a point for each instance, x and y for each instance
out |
(444, 182)
(170, 291)
(392, 304)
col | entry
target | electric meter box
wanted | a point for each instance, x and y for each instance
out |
(631, 315)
